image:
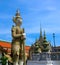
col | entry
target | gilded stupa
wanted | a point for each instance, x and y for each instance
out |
(45, 45)
(40, 45)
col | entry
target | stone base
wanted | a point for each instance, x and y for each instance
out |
(20, 62)
(15, 63)
(43, 62)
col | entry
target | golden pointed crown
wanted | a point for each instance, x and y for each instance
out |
(17, 17)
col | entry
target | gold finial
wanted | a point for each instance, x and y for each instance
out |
(17, 13)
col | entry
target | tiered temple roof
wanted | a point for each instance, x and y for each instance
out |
(40, 44)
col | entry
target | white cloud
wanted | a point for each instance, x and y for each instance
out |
(48, 29)
(51, 8)
(52, 30)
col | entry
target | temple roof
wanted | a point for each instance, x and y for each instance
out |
(5, 44)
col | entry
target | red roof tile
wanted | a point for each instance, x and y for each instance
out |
(8, 45)
(27, 47)
(5, 44)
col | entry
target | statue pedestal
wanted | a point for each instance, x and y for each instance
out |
(15, 63)
(20, 62)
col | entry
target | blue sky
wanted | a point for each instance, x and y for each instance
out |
(33, 12)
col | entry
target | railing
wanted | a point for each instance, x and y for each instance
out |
(46, 56)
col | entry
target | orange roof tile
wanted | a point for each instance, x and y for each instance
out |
(8, 45)
(5, 44)
(27, 47)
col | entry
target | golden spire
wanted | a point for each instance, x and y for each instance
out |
(44, 35)
(40, 31)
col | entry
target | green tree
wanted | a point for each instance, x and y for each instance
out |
(4, 60)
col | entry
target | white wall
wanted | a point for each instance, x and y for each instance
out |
(43, 62)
